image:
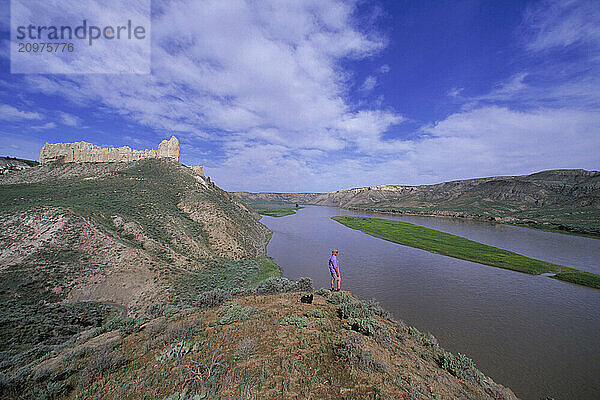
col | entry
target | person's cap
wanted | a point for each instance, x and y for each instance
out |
(334, 251)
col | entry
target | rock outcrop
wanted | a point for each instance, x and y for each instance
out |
(81, 152)
(10, 164)
(197, 169)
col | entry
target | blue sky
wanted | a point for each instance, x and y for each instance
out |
(322, 95)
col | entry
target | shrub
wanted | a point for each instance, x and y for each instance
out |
(186, 396)
(375, 308)
(187, 329)
(366, 326)
(354, 310)
(230, 313)
(354, 351)
(213, 298)
(177, 350)
(323, 292)
(302, 285)
(283, 285)
(125, 325)
(171, 310)
(271, 286)
(316, 313)
(426, 339)
(52, 390)
(102, 361)
(339, 298)
(321, 324)
(460, 366)
(246, 347)
(296, 321)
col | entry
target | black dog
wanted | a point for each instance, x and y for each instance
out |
(307, 299)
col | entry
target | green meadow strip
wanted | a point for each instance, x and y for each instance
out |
(276, 213)
(459, 247)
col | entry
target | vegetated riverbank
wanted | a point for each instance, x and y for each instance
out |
(274, 208)
(276, 213)
(459, 247)
(526, 222)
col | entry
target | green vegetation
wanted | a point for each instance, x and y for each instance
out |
(465, 249)
(276, 213)
(272, 208)
(267, 269)
(581, 221)
(148, 193)
(231, 312)
(224, 274)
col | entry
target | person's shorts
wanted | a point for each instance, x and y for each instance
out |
(334, 275)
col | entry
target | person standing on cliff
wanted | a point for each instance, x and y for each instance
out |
(335, 270)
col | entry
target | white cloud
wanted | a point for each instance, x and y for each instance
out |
(496, 140)
(369, 84)
(384, 69)
(455, 92)
(69, 119)
(487, 141)
(560, 23)
(10, 113)
(47, 125)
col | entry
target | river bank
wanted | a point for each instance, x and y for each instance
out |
(507, 220)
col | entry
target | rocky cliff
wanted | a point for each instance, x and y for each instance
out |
(81, 152)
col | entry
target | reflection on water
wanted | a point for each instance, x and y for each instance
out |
(534, 334)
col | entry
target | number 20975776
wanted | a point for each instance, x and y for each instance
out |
(26, 47)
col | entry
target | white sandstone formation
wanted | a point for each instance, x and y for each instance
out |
(81, 152)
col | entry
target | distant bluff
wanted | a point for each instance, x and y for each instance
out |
(81, 152)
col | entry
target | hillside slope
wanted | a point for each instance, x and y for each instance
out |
(81, 243)
(264, 345)
(566, 200)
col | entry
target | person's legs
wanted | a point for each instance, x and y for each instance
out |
(332, 281)
(339, 279)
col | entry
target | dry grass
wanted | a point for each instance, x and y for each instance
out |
(262, 357)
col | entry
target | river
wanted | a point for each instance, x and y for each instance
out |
(536, 335)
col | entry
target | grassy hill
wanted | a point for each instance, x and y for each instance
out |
(82, 244)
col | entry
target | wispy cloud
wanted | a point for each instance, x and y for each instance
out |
(10, 113)
(560, 23)
(369, 84)
(69, 119)
(47, 125)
